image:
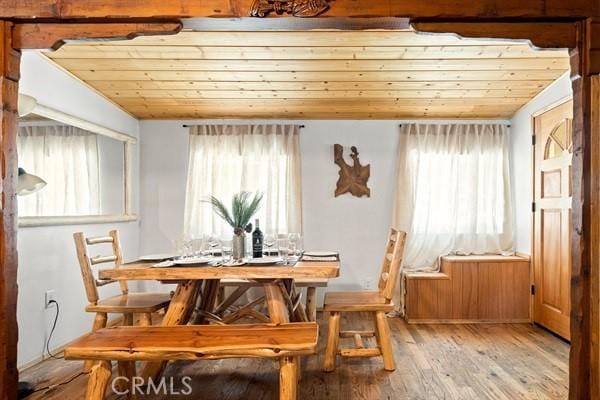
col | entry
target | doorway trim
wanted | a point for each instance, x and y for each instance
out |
(570, 26)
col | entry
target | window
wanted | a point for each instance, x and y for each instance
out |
(65, 157)
(227, 159)
(454, 193)
(458, 192)
(86, 168)
(559, 140)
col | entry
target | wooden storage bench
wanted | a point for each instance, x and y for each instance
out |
(471, 289)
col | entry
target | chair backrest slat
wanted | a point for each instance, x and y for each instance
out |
(99, 239)
(103, 259)
(392, 262)
(86, 262)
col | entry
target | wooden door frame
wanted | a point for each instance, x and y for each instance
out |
(548, 23)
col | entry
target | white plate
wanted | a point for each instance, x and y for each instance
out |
(164, 264)
(265, 261)
(321, 253)
(193, 261)
(157, 257)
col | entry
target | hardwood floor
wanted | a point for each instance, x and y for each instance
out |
(513, 361)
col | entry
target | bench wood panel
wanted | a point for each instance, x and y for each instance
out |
(471, 289)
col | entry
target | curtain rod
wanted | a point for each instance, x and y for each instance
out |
(508, 125)
(189, 126)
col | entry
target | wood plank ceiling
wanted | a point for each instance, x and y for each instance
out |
(314, 74)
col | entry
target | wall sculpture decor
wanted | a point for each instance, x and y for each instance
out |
(297, 8)
(353, 178)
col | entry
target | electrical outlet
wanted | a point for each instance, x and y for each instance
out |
(49, 296)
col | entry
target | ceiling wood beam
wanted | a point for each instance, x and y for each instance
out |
(54, 35)
(561, 35)
(65, 9)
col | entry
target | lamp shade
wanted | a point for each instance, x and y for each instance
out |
(28, 183)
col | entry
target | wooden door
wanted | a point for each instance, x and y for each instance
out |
(553, 153)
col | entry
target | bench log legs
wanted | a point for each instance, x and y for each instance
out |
(179, 312)
(288, 378)
(99, 323)
(99, 377)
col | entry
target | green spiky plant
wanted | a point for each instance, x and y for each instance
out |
(243, 208)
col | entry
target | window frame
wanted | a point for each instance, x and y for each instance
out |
(29, 105)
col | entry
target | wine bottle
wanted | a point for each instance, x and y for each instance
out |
(257, 242)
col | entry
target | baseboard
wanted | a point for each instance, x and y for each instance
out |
(468, 321)
(60, 349)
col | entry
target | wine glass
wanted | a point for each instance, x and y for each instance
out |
(183, 247)
(198, 246)
(269, 242)
(294, 239)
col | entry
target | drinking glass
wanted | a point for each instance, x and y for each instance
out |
(283, 246)
(227, 250)
(269, 242)
(213, 244)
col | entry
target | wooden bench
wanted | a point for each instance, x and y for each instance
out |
(194, 342)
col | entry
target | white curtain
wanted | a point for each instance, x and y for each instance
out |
(227, 159)
(67, 159)
(453, 192)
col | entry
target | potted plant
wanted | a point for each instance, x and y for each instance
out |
(243, 208)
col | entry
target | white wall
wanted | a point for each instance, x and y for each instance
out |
(47, 259)
(356, 227)
(521, 159)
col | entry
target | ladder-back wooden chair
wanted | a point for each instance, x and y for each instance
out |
(128, 304)
(377, 302)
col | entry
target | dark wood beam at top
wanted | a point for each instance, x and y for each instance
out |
(68, 9)
(541, 34)
(295, 24)
(595, 48)
(54, 35)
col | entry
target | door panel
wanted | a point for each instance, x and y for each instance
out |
(552, 218)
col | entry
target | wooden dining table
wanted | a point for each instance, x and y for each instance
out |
(198, 287)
